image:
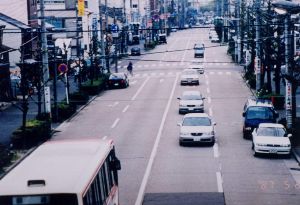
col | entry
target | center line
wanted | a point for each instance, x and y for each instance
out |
(126, 108)
(140, 89)
(207, 89)
(216, 150)
(115, 123)
(141, 192)
(219, 182)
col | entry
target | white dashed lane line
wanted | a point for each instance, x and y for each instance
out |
(125, 108)
(115, 123)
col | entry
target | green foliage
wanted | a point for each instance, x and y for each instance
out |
(5, 156)
(150, 45)
(250, 79)
(94, 87)
(64, 110)
(35, 132)
(78, 98)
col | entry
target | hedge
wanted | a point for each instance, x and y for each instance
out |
(36, 131)
(94, 87)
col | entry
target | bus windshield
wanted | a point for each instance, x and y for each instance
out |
(49, 199)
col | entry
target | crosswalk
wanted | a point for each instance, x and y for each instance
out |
(172, 74)
(176, 64)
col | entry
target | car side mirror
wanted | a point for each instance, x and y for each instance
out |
(179, 124)
(178, 98)
(214, 123)
(244, 114)
(289, 135)
(203, 98)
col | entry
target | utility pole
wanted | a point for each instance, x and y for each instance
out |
(288, 88)
(222, 13)
(257, 61)
(239, 30)
(45, 66)
(103, 63)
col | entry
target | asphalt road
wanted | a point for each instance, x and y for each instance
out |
(142, 121)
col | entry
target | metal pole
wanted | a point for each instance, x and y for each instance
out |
(239, 30)
(222, 13)
(102, 38)
(47, 105)
(288, 87)
(257, 40)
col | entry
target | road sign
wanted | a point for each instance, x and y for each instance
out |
(62, 68)
(114, 28)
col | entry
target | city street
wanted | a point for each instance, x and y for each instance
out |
(142, 120)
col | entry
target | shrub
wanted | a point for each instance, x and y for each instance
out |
(78, 98)
(36, 131)
(5, 156)
(65, 110)
(94, 87)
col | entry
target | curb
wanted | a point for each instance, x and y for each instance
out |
(296, 156)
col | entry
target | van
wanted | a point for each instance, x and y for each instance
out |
(199, 50)
(257, 111)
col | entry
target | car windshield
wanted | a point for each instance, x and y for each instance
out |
(263, 113)
(116, 75)
(271, 131)
(196, 121)
(191, 97)
(189, 72)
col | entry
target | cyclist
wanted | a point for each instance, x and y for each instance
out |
(130, 67)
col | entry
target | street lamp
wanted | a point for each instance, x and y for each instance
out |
(287, 8)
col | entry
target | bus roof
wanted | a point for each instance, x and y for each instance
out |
(66, 166)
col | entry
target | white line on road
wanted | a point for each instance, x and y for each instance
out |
(104, 137)
(210, 112)
(216, 150)
(207, 82)
(133, 82)
(141, 192)
(115, 123)
(209, 100)
(126, 108)
(207, 90)
(206, 77)
(219, 182)
(186, 48)
(140, 89)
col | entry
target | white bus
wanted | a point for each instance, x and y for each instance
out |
(64, 172)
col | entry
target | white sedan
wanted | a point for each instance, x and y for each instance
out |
(198, 66)
(271, 138)
(189, 76)
(196, 128)
(191, 101)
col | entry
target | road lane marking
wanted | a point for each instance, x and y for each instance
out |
(140, 89)
(133, 82)
(219, 182)
(207, 90)
(205, 75)
(207, 82)
(141, 192)
(228, 73)
(126, 108)
(210, 112)
(186, 48)
(115, 123)
(104, 137)
(216, 150)
(209, 100)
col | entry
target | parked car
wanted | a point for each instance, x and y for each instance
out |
(162, 38)
(198, 66)
(257, 111)
(196, 128)
(191, 101)
(135, 51)
(189, 77)
(118, 80)
(214, 39)
(199, 50)
(271, 138)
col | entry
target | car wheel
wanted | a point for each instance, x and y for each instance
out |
(181, 143)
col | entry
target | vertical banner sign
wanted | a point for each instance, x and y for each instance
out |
(80, 7)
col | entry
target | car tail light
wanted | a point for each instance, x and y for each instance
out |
(122, 81)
